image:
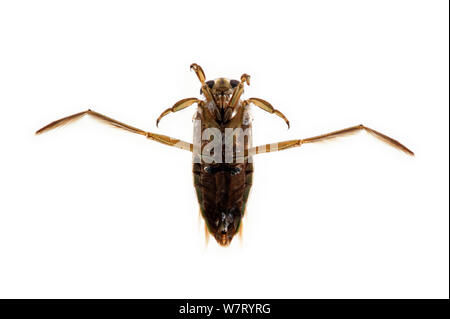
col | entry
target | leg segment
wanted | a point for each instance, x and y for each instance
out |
(266, 106)
(201, 76)
(348, 131)
(105, 119)
(245, 78)
(182, 104)
(199, 71)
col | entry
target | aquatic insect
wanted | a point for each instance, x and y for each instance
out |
(222, 148)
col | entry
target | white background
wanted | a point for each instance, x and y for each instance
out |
(90, 211)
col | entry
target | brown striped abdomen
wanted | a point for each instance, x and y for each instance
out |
(222, 192)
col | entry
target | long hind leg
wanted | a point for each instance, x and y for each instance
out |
(107, 120)
(267, 148)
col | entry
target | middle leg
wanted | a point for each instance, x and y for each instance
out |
(266, 106)
(180, 105)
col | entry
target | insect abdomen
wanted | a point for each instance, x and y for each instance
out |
(222, 192)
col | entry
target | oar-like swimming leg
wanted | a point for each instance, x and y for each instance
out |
(267, 148)
(105, 119)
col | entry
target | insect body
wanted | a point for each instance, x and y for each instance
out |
(222, 149)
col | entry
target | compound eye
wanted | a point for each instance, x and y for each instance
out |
(234, 83)
(210, 83)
